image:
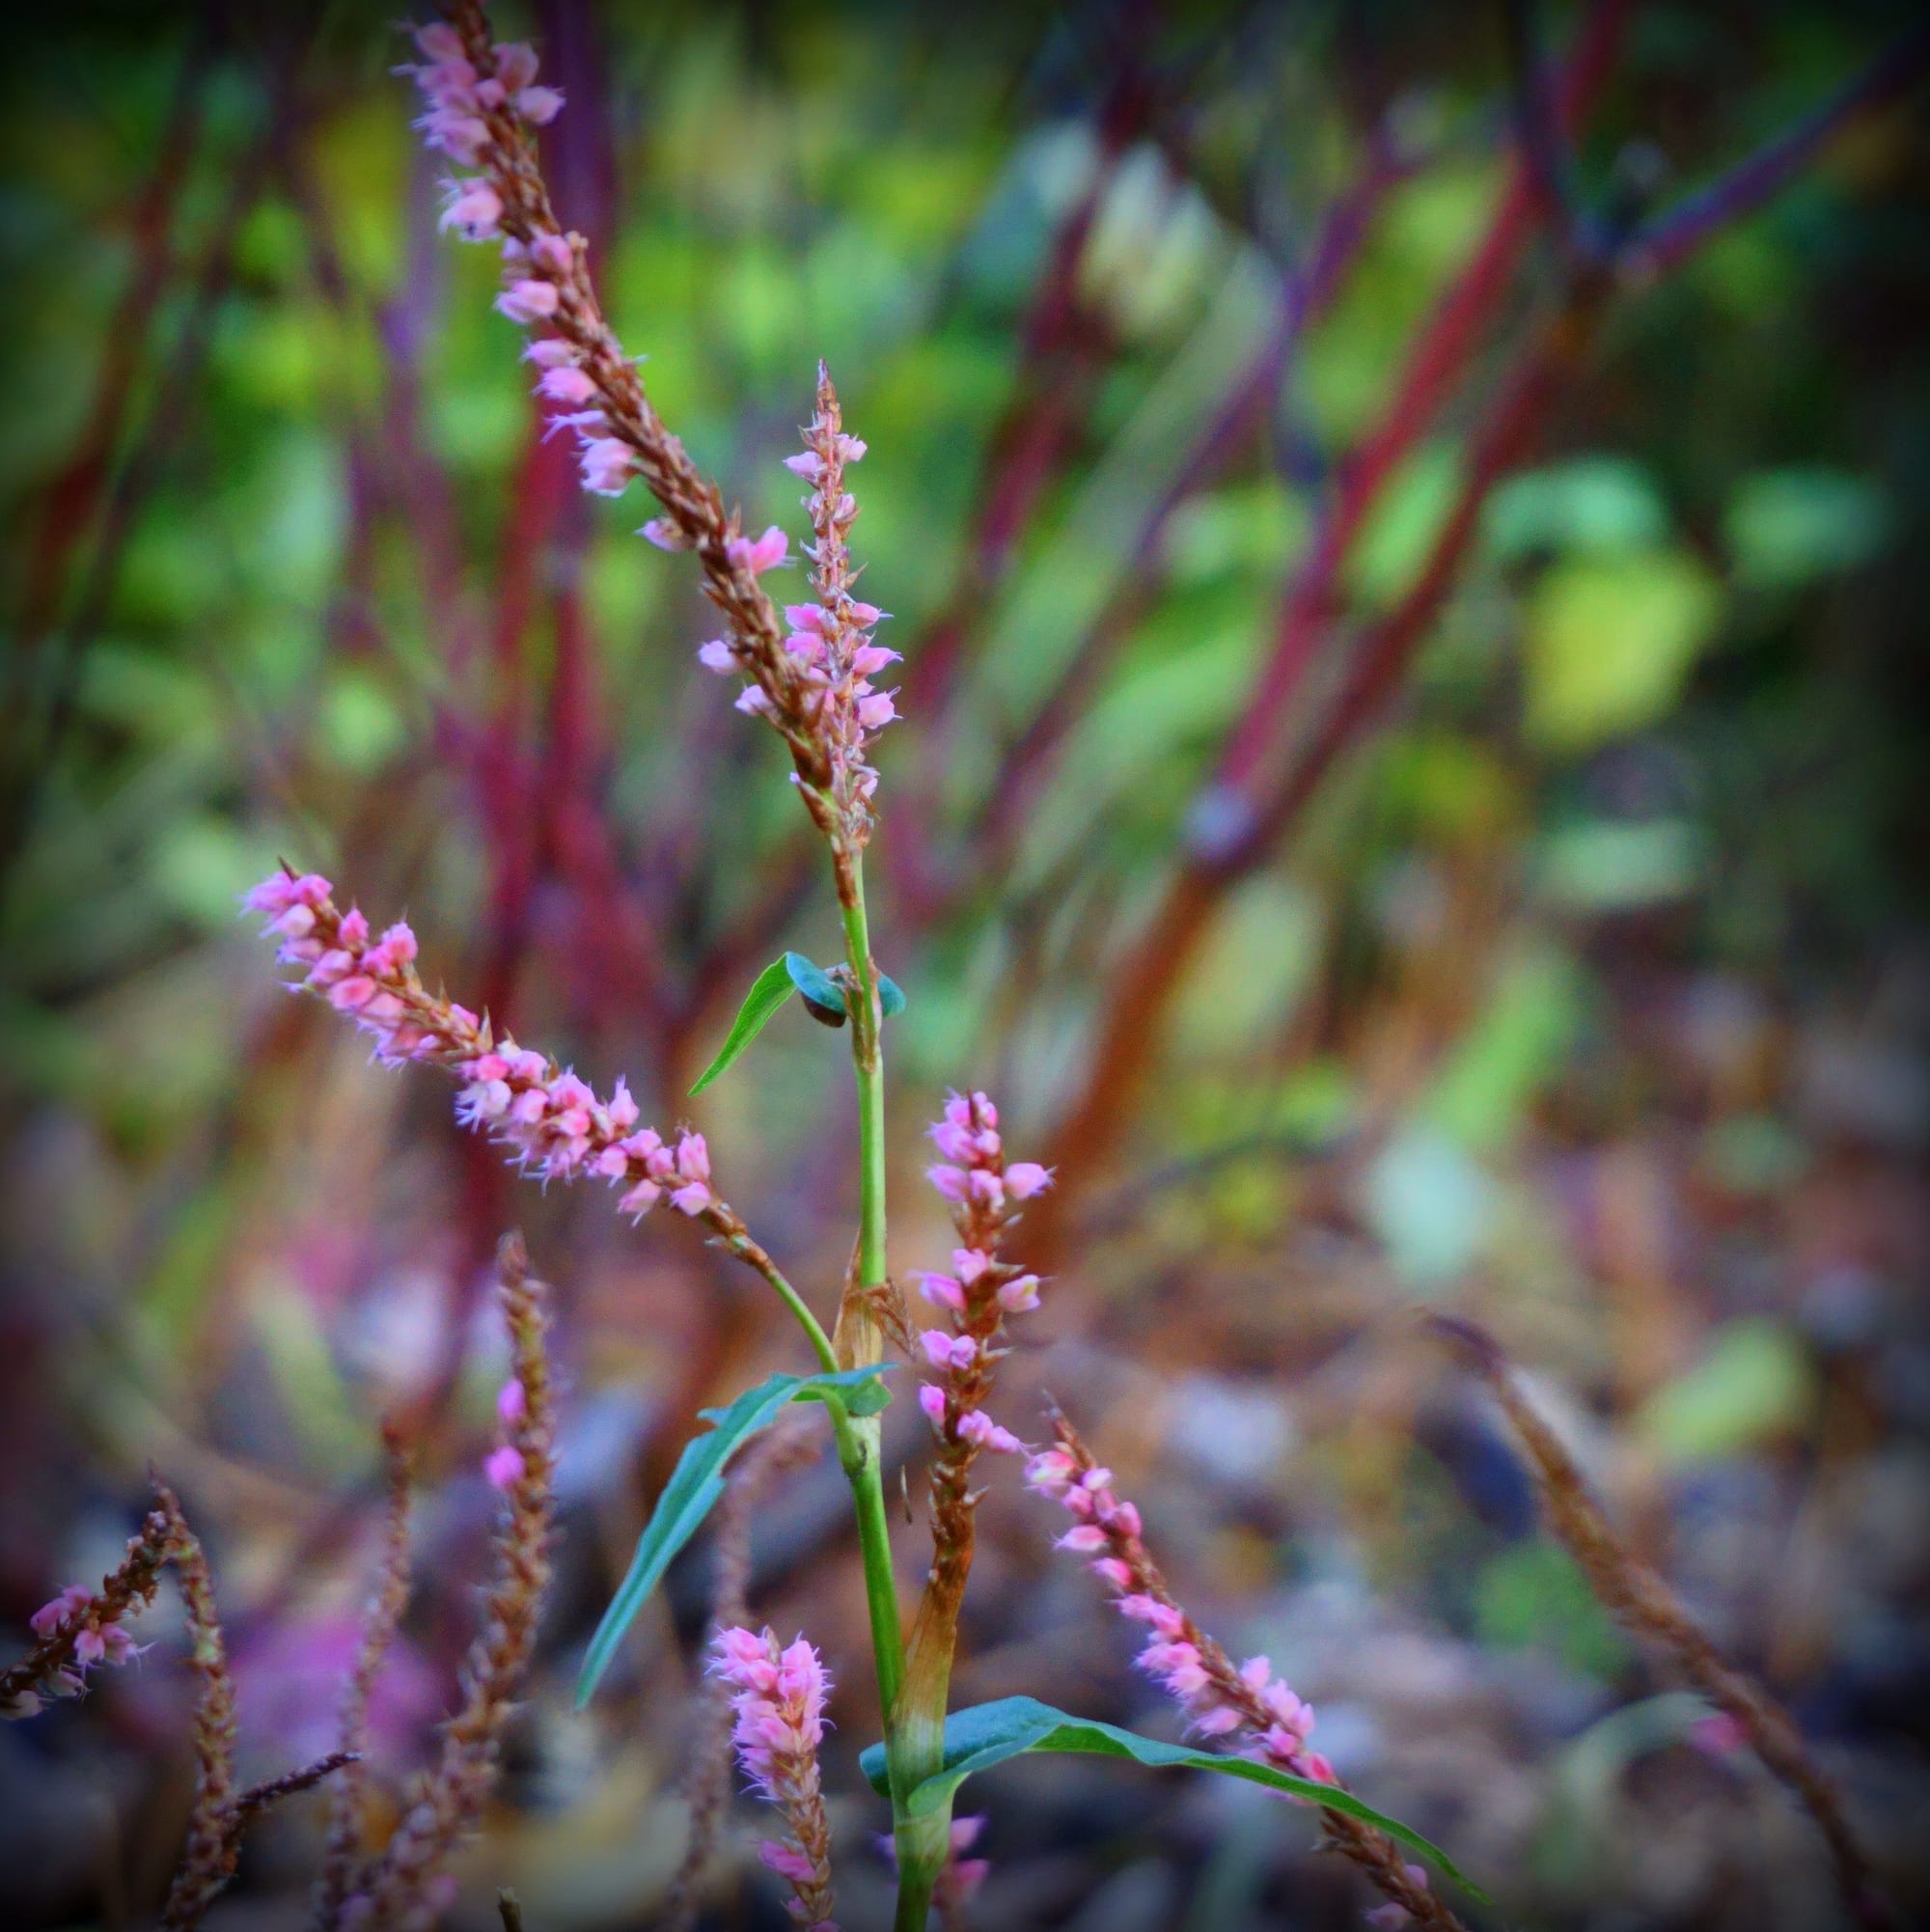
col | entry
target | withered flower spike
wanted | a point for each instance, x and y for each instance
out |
(259, 1798)
(213, 1846)
(343, 1858)
(447, 1803)
(1643, 1603)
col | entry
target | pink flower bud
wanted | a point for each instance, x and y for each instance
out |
(474, 210)
(942, 1291)
(529, 300)
(763, 553)
(567, 384)
(515, 64)
(640, 1198)
(511, 1403)
(607, 465)
(1026, 1178)
(950, 1182)
(539, 105)
(718, 656)
(1019, 1297)
(504, 1467)
(931, 1399)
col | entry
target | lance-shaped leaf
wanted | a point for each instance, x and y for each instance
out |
(769, 991)
(988, 1734)
(697, 1481)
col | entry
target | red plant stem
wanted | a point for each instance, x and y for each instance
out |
(1668, 241)
(75, 494)
(1026, 768)
(1253, 799)
(44, 720)
(1454, 331)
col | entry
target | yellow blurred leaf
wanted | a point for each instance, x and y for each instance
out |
(1611, 642)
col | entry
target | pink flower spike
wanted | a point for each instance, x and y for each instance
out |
(766, 553)
(1026, 1178)
(504, 1467)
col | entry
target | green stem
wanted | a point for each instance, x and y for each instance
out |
(747, 1249)
(869, 1062)
(924, 1844)
(858, 1453)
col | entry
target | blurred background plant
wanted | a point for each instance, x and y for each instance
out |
(1407, 794)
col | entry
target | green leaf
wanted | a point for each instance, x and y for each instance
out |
(988, 1734)
(769, 991)
(697, 1481)
(822, 994)
(1610, 642)
(891, 997)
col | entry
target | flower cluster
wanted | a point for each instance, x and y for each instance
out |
(483, 109)
(830, 639)
(777, 1706)
(983, 1289)
(1178, 1655)
(553, 1121)
(81, 1628)
(77, 1616)
(1222, 1699)
(504, 1465)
